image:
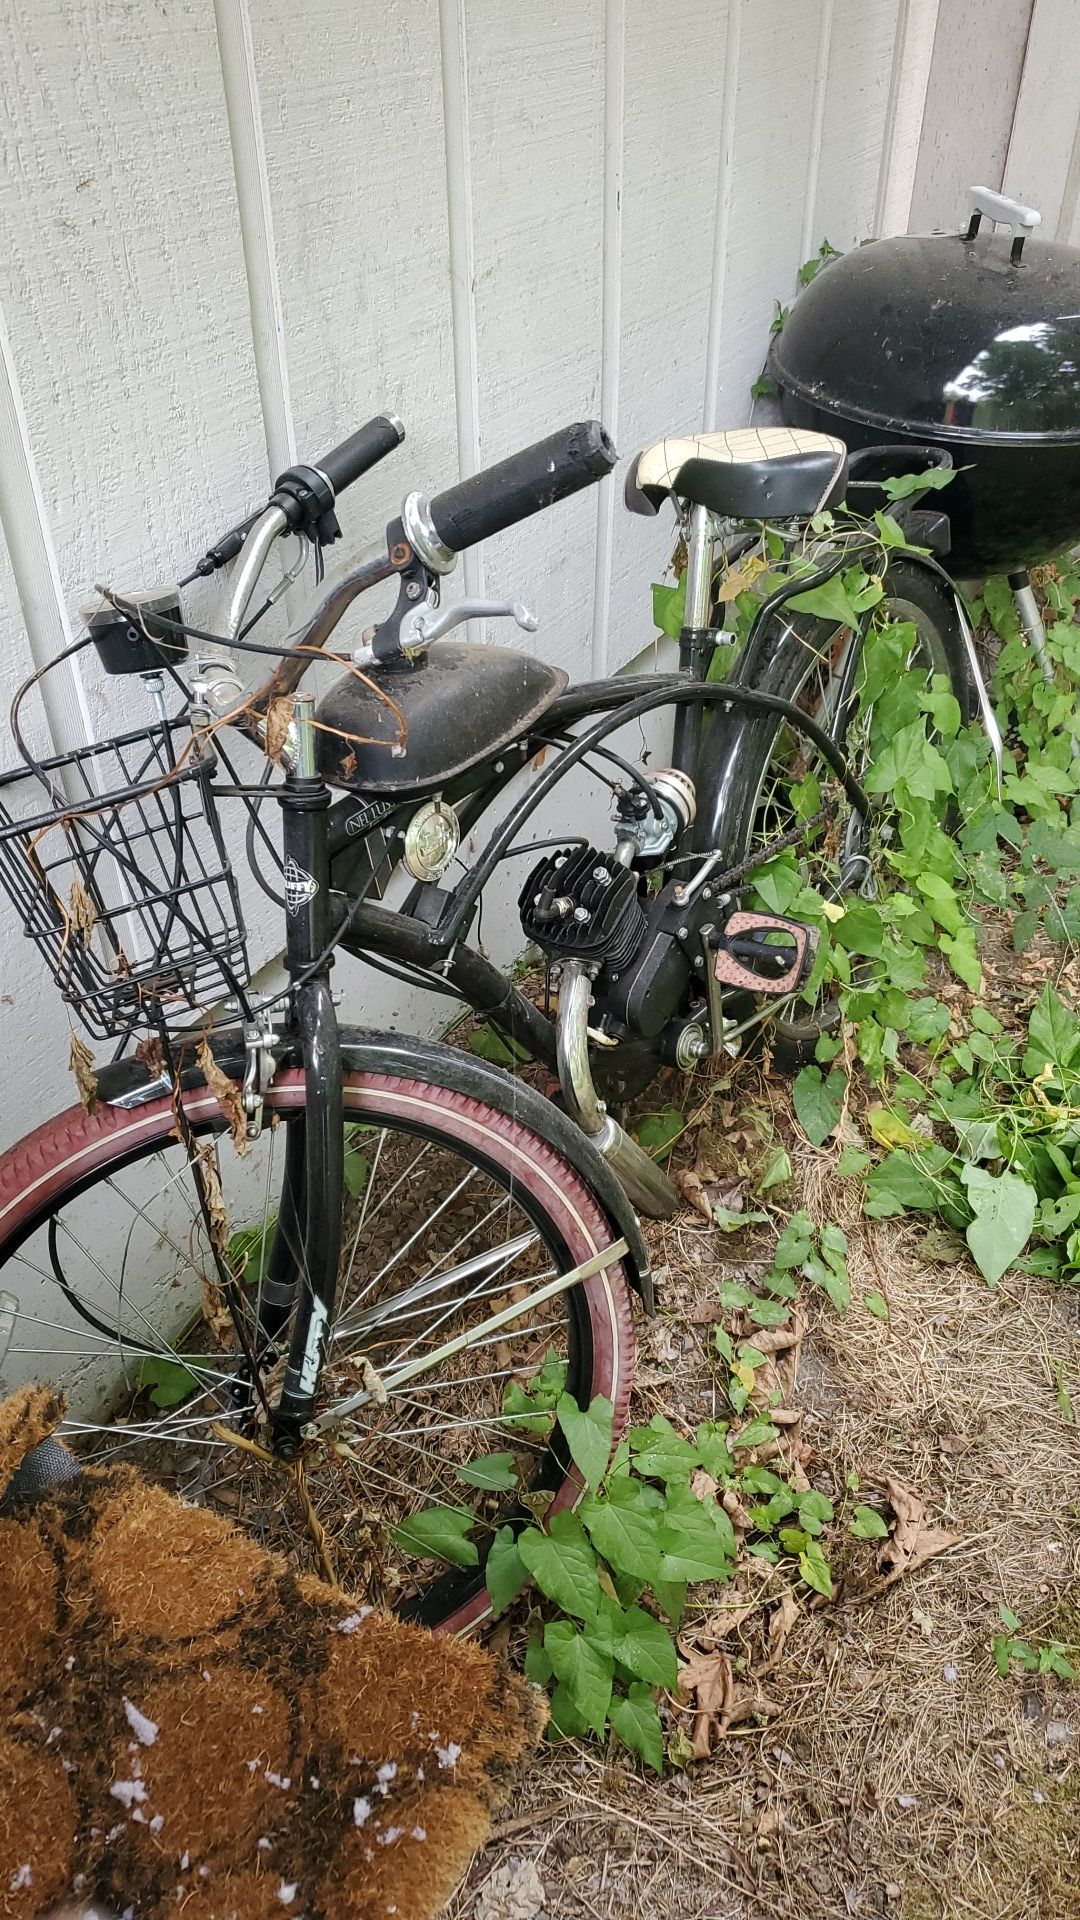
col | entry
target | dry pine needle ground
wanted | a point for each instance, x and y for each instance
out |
(898, 1775)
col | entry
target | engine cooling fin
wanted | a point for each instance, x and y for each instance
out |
(583, 904)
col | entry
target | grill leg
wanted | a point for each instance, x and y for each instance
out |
(1034, 631)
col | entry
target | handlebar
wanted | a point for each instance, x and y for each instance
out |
(485, 504)
(361, 451)
(299, 492)
(551, 470)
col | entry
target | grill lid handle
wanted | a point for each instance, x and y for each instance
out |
(1004, 213)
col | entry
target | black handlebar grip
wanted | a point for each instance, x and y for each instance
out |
(526, 483)
(361, 451)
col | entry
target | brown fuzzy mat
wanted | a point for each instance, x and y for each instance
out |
(187, 1727)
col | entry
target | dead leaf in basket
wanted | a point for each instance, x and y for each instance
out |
(278, 721)
(149, 1051)
(911, 1541)
(226, 1093)
(82, 912)
(705, 1683)
(81, 1063)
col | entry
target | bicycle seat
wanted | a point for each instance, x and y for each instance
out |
(751, 473)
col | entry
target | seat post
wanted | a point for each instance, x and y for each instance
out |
(697, 639)
(699, 549)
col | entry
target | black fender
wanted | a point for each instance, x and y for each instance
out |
(364, 1050)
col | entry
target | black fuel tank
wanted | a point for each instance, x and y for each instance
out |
(460, 703)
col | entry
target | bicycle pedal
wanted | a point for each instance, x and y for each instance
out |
(746, 938)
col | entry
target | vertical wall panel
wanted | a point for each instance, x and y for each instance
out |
(971, 97)
(351, 110)
(912, 57)
(668, 202)
(854, 123)
(1043, 164)
(536, 94)
(122, 284)
(773, 117)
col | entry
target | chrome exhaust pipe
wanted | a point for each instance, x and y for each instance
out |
(645, 1184)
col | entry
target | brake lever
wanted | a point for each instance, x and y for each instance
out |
(414, 624)
(427, 624)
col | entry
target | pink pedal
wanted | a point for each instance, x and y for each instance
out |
(732, 972)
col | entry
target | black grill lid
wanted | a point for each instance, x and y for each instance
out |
(947, 330)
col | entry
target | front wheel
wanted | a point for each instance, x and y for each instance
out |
(456, 1214)
(768, 777)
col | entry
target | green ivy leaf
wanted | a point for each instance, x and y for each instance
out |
(831, 601)
(1004, 1208)
(1053, 1035)
(903, 1181)
(963, 957)
(865, 1524)
(669, 607)
(877, 1304)
(769, 1313)
(585, 1669)
(493, 1046)
(814, 1569)
(624, 1527)
(644, 1645)
(902, 485)
(171, 1382)
(563, 1565)
(661, 1453)
(776, 1170)
(658, 1132)
(815, 1511)
(795, 1241)
(538, 1667)
(505, 1571)
(818, 1102)
(637, 1724)
(698, 1542)
(565, 1723)
(438, 1533)
(588, 1435)
(492, 1473)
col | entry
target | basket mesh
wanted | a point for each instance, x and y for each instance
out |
(123, 881)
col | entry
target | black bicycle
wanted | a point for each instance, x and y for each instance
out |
(406, 1256)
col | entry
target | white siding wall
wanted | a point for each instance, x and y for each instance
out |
(233, 229)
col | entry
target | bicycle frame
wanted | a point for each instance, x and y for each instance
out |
(330, 869)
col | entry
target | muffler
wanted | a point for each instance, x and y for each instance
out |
(645, 1184)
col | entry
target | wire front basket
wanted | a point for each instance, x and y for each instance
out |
(123, 881)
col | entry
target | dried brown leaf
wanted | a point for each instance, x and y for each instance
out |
(705, 1683)
(692, 1188)
(81, 909)
(911, 1542)
(151, 1053)
(278, 721)
(781, 1621)
(226, 1093)
(736, 1512)
(81, 1063)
